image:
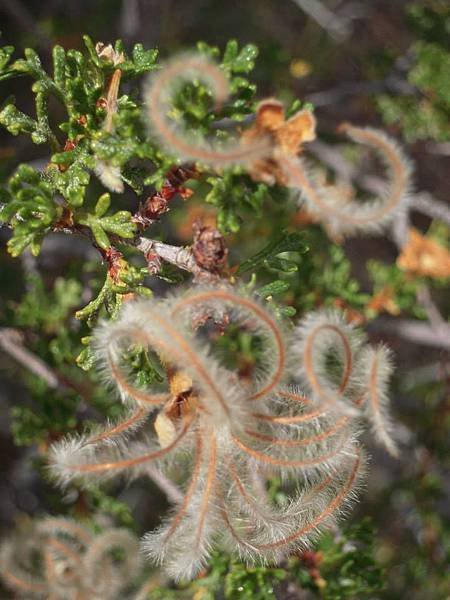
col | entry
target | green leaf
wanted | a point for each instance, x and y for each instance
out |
(231, 52)
(275, 288)
(30, 210)
(143, 60)
(15, 121)
(103, 204)
(119, 224)
(5, 56)
(285, 242)
(245, 61)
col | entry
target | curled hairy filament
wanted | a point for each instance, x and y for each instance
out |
(376, 368)
(249, 314)
(325, 349)
(344, 373)
(60, 559)
(159, 95)
(314, 508)
(152, 325)
(341, 214)
(229, 432)
(77, 459)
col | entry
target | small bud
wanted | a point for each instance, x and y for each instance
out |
(108, 54)
(102, 103)
(209, 248)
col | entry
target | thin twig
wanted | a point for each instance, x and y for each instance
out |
(437, 321)
(180, 256)
(338, 28)
(11, 343)
(414, 331)
(425, 203)
(393, 83)
(168, 487)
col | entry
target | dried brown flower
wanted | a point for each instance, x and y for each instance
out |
(424, 257)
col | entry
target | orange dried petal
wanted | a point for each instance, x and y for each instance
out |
(424, 256)
(298, 129)
(383, 301)
(270, 115)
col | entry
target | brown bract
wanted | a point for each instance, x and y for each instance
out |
(288, 138)
(181, 403)
(208, 248)
(424, 256)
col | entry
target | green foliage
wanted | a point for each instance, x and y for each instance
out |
(270, 255)
(45, 317)
(100, 502)
(78, 83)
(119, 223)
(425, 111)
(326, 278)
(30, 210)
(46, 311)
(348, 568)
(42, 316)
(234, 194)
(403, 290)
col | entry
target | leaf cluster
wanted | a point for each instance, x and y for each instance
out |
(424, 111)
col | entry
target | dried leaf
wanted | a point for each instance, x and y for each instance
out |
(383, 301)
(288, 137)
(424, 256)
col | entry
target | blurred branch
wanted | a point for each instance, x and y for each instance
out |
(438, 148)
(170, 489)
(435, 371)
(338, 28)
(129, 19)
(425, 203)
(414, 331)
(11, 343)
(437, 321)
(392, 83)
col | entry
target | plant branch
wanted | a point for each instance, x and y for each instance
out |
(414, 331)
(11, 343)
(170, 489)
(425, 203)
(337, 27)
(180, 256)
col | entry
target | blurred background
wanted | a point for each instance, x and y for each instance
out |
(373, 62)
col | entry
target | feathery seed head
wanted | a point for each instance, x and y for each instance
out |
(233, 434)
(61, 559)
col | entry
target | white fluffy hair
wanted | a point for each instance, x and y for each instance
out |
(74, 562)
(341, 215)
(363, 376)
(232, 436)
